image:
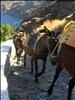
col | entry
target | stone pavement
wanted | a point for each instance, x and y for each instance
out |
(22, 85)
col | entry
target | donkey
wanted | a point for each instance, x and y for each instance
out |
(66, 59)
(40, 50)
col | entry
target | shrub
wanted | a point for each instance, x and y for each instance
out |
(6, 32)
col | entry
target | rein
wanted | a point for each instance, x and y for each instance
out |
(66, 28)
(60, 39)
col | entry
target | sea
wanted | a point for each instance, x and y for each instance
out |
(12, 20)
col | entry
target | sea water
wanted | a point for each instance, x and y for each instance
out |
(8, 19)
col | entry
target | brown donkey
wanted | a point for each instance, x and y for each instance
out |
(66, 59)
(40, 50)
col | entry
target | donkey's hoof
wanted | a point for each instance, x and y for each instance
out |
(25, 64)
(36, 80)
(53, 62)
(39, 74)
(49, 92)
(32, 71)
(17, 63)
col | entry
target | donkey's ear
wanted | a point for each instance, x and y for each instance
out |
(46, 30)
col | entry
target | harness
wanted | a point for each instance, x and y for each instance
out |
(61, 37)
(54, 38)
(65, 31)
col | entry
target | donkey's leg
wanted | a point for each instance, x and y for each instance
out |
(36, 69)
(25, 60)
(71, 86)
(44, 66)
(58, 70)
(17, 56)
(18, 53)
(32, 64)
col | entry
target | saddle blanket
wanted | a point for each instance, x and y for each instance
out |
(69, 37)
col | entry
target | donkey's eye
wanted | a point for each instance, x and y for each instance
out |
(49, 37)
(53, 38)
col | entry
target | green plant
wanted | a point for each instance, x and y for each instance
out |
(6, 32)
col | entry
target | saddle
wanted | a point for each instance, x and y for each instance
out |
(69, 37)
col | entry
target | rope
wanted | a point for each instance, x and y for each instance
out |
(58, 43)
(67, 27)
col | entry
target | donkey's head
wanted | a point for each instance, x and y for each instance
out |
(53, 39)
